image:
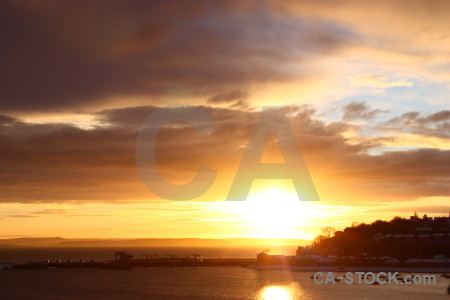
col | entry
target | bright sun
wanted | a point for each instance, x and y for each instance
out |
(273, 212)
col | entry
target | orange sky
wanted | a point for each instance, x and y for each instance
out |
(364, 85)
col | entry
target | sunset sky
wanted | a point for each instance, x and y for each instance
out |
(365, 85)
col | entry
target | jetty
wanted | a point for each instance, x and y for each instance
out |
(124, 260)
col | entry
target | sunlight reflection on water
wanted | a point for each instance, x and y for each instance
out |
(278, 293)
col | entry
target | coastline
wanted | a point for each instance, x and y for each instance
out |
(349, 269)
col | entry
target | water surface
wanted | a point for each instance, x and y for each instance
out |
(195, 283)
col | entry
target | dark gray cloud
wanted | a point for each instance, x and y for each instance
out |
(435, 124)
(235, 98)
(6, 120)
(59, 162)
(126, 117)
(359, 110)
(441, 116)
(68, 54)
(415, 117)
(231, 96)
(406, 118)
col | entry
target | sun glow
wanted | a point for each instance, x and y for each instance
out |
(273, 210)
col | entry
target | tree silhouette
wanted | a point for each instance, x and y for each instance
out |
(328, 231)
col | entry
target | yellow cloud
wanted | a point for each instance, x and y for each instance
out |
(417, 140)
(376, 81)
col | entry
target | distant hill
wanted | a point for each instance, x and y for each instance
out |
(168, 242)
(400, 238)
(48, 241)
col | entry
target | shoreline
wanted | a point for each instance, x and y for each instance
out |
(351, 269)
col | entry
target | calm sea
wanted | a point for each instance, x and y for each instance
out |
(194, 283)
(189, 283)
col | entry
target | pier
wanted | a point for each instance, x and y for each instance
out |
(123, 260)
